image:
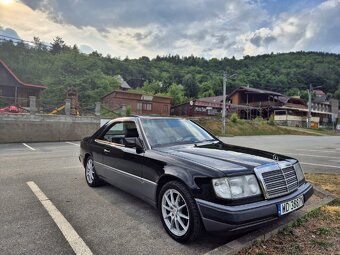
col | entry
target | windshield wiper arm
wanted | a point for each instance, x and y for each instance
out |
(206, 140)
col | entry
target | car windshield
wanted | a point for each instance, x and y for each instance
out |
(162, 132)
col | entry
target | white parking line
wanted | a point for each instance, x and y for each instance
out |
(72, 143)
(316, 156)
(29, 147)
(324, 150)
(77, 244)
(312, 164)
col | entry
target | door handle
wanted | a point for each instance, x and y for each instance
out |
(106, 151)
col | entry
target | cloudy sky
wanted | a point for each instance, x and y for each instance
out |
(208, 28)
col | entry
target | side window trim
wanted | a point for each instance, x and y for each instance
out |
(100, 140)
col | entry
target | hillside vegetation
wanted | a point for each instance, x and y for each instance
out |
(62, 66)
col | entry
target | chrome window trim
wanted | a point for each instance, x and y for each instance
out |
(109, 143)
(139, 127)
(127, 174)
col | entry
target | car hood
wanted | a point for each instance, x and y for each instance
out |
(219, 156)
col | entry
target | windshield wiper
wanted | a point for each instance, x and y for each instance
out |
(206, 140)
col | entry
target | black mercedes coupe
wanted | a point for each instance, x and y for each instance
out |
(196, 181)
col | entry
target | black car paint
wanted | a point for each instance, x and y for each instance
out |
(193, 164)
(187, 163)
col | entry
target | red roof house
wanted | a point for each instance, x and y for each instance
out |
(13, 91)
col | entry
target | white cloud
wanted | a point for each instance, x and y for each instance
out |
(209, 28)
(316, 29)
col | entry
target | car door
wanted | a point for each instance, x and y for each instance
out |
(114, 133)
(122, 165)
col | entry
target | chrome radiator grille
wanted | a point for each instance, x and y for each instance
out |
(279, 182)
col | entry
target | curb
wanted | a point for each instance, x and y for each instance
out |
(265, 233)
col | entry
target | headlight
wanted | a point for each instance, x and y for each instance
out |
(236, 187)
(299, 172)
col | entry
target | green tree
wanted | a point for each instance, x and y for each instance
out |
(337, 93)
(190, 85)
(206, 89)
(293, 92)
(58, 45)
(177, 94)
(152, 87)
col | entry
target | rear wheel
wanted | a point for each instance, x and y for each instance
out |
(91, 176)
(179, 213)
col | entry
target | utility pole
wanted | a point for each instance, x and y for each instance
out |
(309, 116)
(310, 91)
(224, 99)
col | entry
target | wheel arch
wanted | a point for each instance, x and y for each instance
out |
(87, 155)
(165, 179)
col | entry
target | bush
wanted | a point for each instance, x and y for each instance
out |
(271, 120)
(258, 119)
(234, 118)
(128, 110)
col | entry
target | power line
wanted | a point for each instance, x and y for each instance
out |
(10, 38)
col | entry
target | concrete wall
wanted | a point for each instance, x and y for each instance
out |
(18, 128)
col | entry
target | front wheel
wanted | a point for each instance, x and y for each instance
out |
(91, 176)
(179, 212)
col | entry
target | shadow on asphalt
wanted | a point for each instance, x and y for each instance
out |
(147, 215)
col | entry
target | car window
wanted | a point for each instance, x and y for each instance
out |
(160, 132)
(120, 130)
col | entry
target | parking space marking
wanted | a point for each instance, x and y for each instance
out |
(29, 147)
(75, 241)
(312, 164)
(72, 143)
(323, 150)
(316, 156)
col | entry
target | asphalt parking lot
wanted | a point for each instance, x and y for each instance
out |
(317, 154)
(108, 220)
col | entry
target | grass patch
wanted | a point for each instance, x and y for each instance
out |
(321, 243)
(238, 127)
(329, 182)
(323, 231)
(316, 233)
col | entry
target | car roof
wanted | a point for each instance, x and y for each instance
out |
(134, 117)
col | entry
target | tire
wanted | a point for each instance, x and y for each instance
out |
(91, 176)
(179, 213)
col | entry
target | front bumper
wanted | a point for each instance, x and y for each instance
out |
(219, 218)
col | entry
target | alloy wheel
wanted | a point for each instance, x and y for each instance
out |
(175, 212)
(89, 171)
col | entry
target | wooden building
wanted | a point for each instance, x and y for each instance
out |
(208, 106)
(250, 102)
(140, 104)
(13, 91)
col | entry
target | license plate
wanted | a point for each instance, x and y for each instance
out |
(290, 206)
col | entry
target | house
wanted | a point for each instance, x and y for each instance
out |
(122, 83)
(207, 106)
(139, 103)
(136, 83)
(250, 102)
(13, 91)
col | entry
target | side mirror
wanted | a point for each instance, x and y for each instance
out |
(134, 142)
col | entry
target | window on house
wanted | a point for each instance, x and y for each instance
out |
(139, 106)
(165, 108)
(147, 106)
